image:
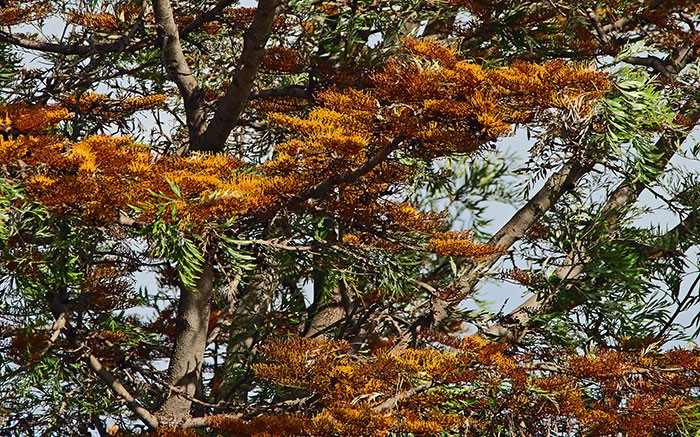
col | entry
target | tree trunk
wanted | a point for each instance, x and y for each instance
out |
(185, 368)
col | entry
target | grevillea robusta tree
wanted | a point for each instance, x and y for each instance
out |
(271, 218)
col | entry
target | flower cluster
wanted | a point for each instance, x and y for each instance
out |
(454, 105)
(526, 278)
(103, 21)
(100, 176)
(282, 59)
(15, 12)
(106, 108)
(19, 119)
(421, 105)
(472, 385)
(461, 244)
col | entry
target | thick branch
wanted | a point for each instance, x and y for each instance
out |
(595, 21)
(58, 325)
(274, 409)
(515, 229)
(519, 321)
(688, 227)
(621, 23)
(70, 49)
(439, 308)
(201, 422)
(298, 91)
(178, 70)
(121, 391)
(653, 62)
(561, 181)
(206, 17)
(232, 103)
(126, 42)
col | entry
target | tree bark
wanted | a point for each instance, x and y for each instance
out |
(231, 104)
(121, 391)
(178, 70)
(184, 371)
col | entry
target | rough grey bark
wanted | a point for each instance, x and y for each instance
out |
(178, 70)
(184, 372)
(185, 367)
(231, 105)
(212, 136)
(326, 312)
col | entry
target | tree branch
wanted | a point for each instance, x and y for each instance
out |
(185, 367)
(519, 321)
(201, 422)
(58, 325)
(439, 308)
(178, 70)
(231, 105)
(392, 401)
(653, 62)
(602, 34)
(206, 16)
(281, 407)
(561, 181)
(121, 391)
(298, 91)
(71, 49)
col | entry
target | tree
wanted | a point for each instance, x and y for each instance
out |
(294, 176)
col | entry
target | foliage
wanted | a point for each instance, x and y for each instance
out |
(221, 220)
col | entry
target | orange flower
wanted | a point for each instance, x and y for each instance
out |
(460, 244)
